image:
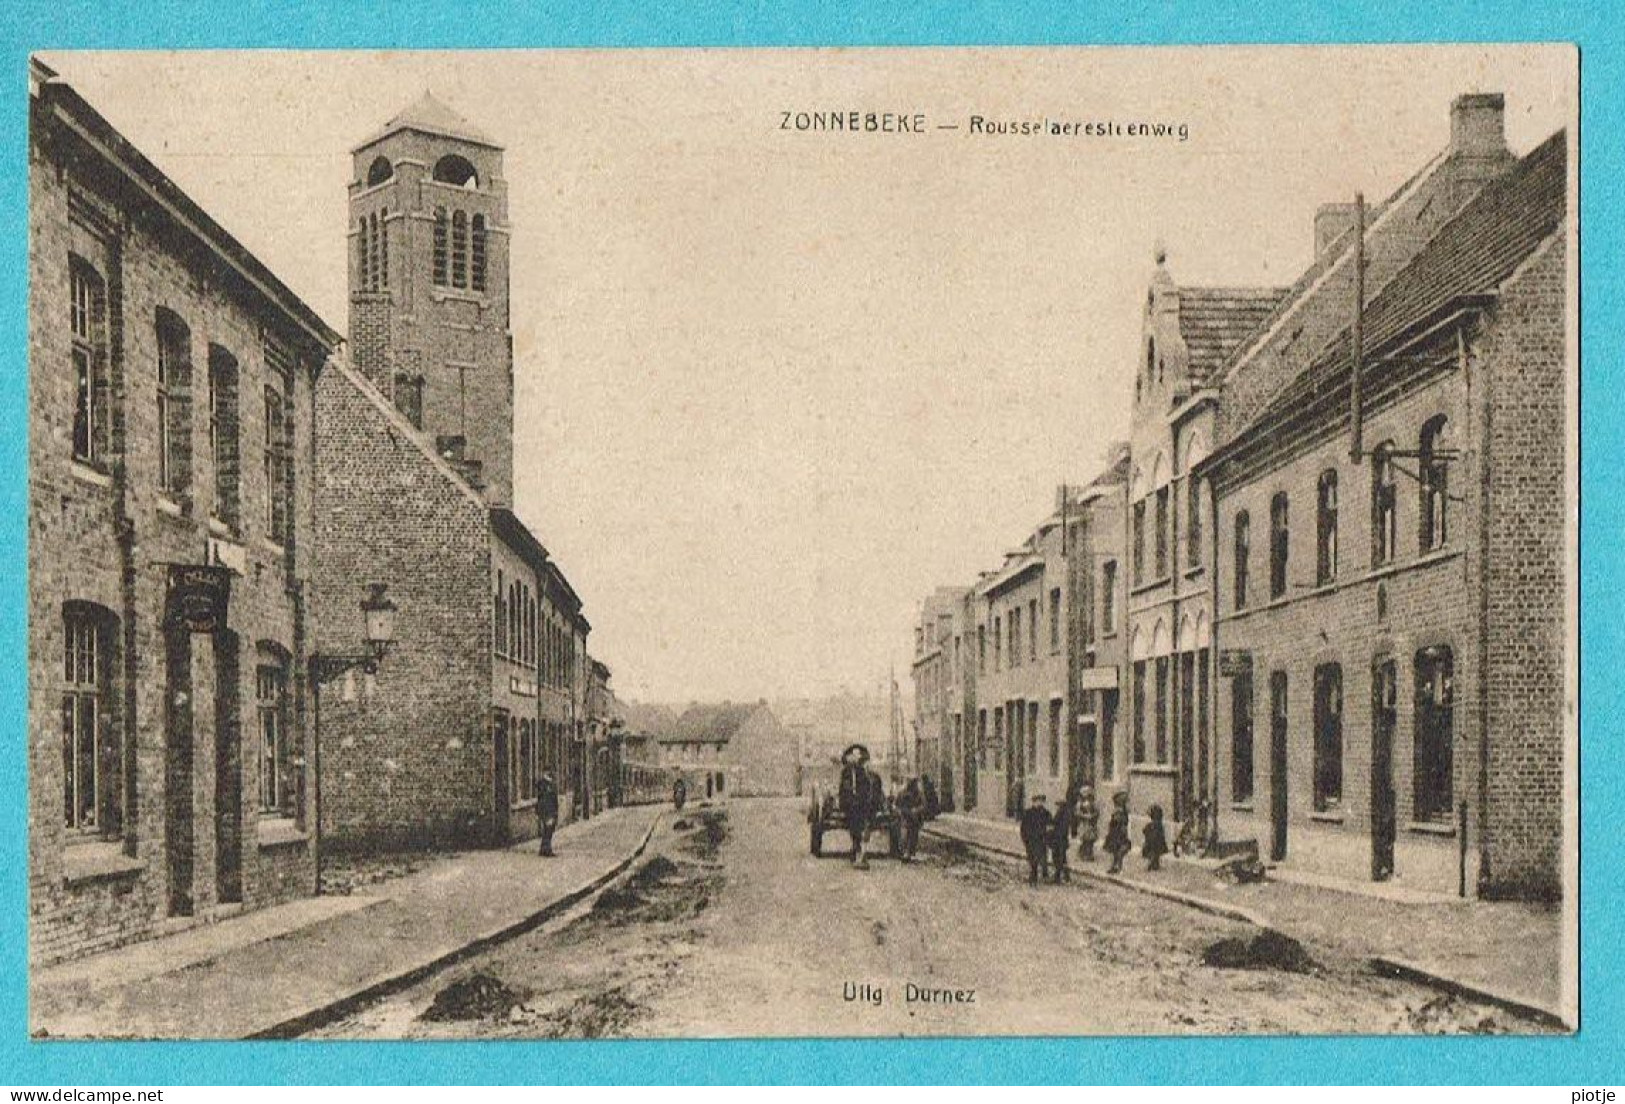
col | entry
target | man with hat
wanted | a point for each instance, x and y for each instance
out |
(1035, 829)
(856, 799)
(547, 811)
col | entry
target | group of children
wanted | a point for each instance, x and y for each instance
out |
(1048, 836)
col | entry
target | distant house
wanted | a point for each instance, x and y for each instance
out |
(741, 750)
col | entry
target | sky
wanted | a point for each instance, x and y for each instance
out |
(773, 386)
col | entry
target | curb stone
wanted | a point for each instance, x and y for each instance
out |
(327, 1013)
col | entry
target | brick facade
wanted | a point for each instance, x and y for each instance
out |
(185, 750)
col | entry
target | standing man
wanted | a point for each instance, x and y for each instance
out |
(855, 799)
(1060, 838)
(547, 811)
(679, 793)
(911, 810)
(1035, 828)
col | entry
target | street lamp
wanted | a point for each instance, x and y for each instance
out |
(378, 625)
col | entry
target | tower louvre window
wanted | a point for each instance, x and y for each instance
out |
(381, 238)
(459, 249)
(477, 252)
(439, 259)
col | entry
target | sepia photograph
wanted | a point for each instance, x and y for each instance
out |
(777, 542)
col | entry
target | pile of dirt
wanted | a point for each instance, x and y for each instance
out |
(479, 996)
(682, 824)
(598, 1015)
(713, 830)
(1268, 950)
(658, 890)
(1448, 1015)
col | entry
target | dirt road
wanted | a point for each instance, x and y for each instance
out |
(729, 927)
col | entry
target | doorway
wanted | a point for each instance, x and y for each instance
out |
(1384, 815)
(228, 773)
(1278, 766)
(179, 841)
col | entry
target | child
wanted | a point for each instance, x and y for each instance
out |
(1156, 840)
(1088, 823)
(1117, 841)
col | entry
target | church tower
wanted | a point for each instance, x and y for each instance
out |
(429, 286)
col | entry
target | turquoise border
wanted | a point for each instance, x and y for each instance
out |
(1590, 1056)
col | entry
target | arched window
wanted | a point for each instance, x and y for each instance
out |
(174, 405)
(87, 309)
(459, 249)
(1328, 737)
(1243, 552)
(1384, 497)
(457, 171)
(1435, 733)
(92, 797)
(440, 247)
(477, 252)
(1280, 536)
(1433, 474)
(379, 171)
(1326, 528)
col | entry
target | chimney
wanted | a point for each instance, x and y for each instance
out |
(1332, 221)
(1478, 124)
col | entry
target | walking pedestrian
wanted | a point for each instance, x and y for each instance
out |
(933, 802)
(854, 800)
(1060, 839)
(911, 810)
(1088, 823)
(1156, 840)
(679, 793)
(547, 811)
(1117, 841)
(1035, 829)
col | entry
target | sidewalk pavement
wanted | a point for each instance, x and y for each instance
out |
(1508, 952)
(268, 972)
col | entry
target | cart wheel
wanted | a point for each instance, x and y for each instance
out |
(817, 835)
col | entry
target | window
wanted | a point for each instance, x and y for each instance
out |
(278, 462)
(441, 250)
(1013, 623)
(1032, 737)
(1278, 544)
(1162, 666)
(1241, 738)
(1328, 737)
(1243, 553)
(1139, 542)
(1433, 473)
(87, 310)
(1193, 523)
(981, 738)
(998, 738)
(174, 418)
(1032, 629)
(457, 171)
(1108, 733)
(1162, 533)
(1055, 620)
(527, 760)
(477, 253)
(500, 617)
(459, 249)
(223, 451)
(1435, 731)
(998, 644)
(278, 790)
(379, 171)
(90, 752)
(1326, 529)
(409, 398)
(981, 649)
(1139, 711)
(1108, 597)
(1055, 737)
(1383, 500)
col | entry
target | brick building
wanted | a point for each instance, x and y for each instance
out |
(1097, 642)
(485, 687)
(937, 670)
(169, 436)
(1391, 601)
(1186, 334)
(728, 749)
